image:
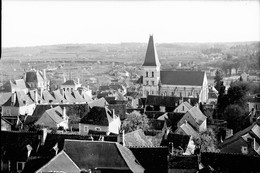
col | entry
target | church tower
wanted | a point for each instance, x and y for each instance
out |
(151, 70)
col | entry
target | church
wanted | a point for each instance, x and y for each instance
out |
(192, 84)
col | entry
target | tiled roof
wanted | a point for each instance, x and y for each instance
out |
(188, 129)
(4, 97)
(97, 154)
(60, 163)
(98, 116)
(192, 78)
(54, 113)
(151, 57)
(187, 105)
(58, 96)
(137, 138)
(99, 102)
(177, 140)
(78, 97)
(69, 82)
(196, 113)
(48, 98)
(21, 99)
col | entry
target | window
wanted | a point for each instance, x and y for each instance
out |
(152, 74)
(85, 128)
(20, 166)
(147, 74)
(182, 108)
(147, 82)
(98, 128)
(152, 82)
(151, 92)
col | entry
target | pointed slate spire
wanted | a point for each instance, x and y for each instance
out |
(151, 57)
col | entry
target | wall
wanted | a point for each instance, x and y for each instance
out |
(114, 126)
(91, 127)
(10, 111)
(27, 109)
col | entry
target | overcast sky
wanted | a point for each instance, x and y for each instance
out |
(29, 23)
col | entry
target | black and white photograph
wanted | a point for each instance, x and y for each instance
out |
(130, 86)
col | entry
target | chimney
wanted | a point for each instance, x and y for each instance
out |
(29, 149)
(44, 73)
(36, 96)
(64, 113)
(13, 99)
(42, 135)
(121, 137)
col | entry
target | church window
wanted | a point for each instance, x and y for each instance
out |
(152, 74)
(147, 74)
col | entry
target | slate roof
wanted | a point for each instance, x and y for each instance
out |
(177, 140)
(192, 78)
(132, 94)
(61, 162)
(33, 77)
(32, 96)
(98, 116)
(97, 154)
(69, 97)
(99, 102)
(196, 113)
(173, 119)
(151, 57)
(167, 101)
(137, 138)
(69, 82)
(183, 162)
(78, 97)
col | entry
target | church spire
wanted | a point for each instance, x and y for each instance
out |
(151, 57)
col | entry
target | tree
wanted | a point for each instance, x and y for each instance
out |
(218, 80)
(237, 93)
(135, 121)
(235, 116)
(206, 141)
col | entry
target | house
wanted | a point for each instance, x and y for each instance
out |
(98, 156)
(183, 107)
(5, 125)
(60, 163)
(36, 79)
(166, 103)
(245, 142)
(195, 118)
(70, 85)
(13, 86)
(98, 102)
(100, 119)
(171, 83)
(182, 144)
(18, 104)
(136, 138)
(133, 98)
(54, 118)
(180, 164)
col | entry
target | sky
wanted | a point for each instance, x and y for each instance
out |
(30, 23)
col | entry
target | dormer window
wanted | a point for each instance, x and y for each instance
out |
(152, 74)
